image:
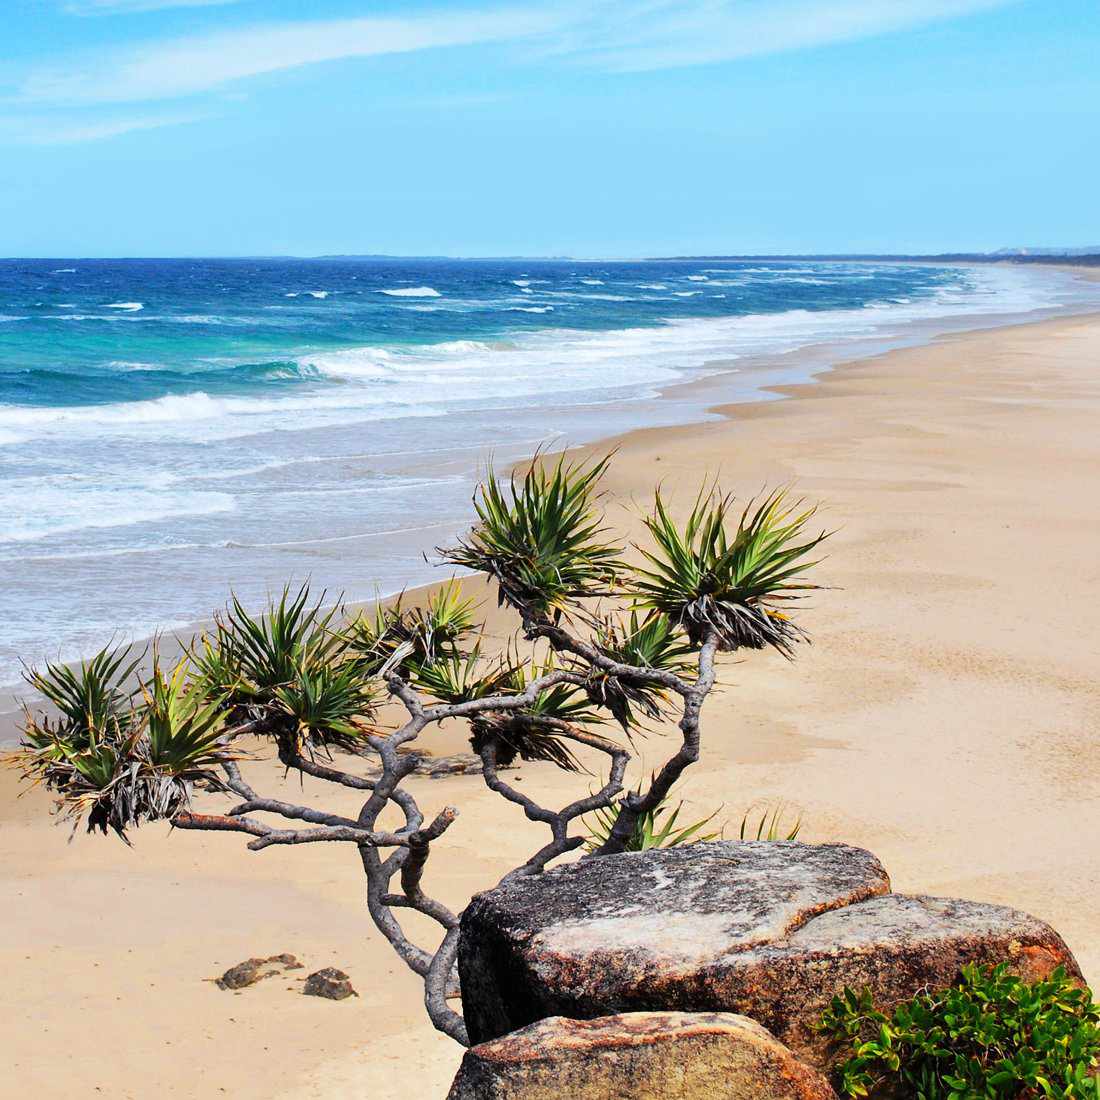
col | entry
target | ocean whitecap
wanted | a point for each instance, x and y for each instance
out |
(317, 293)
(413, 292)
(130, 307)
(592, 282)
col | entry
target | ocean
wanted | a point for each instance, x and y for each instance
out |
(174, 429)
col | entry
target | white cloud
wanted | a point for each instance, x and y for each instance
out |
(614, 35)
(66, 132)
(188, 66)
(644, 35)
(126, 7)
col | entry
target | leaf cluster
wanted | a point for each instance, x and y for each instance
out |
(657, 828)
(991, 1035)
(120, 751)
(650, 642)
(541, 537)
(708, 576)
(289, 671)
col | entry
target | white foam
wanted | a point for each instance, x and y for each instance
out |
(521, 282)
(198, 417)
(370, 383)
(697, 278)
(65, 505)
(130, 307)
(652, 286)
(412, 292)
(63, 271)
(686, 293)
(317, 293)
(592, 282)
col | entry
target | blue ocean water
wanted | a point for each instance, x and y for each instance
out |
(172, 428)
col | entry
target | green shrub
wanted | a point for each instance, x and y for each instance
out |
(991, 1035)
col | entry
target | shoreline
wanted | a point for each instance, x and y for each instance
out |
(701, 399)
(946, 717)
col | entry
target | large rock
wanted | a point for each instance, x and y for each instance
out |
(638, 1056)
(769, 930)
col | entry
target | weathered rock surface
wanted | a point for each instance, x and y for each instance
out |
(770, 930)
(329, 982)
(638, 1056)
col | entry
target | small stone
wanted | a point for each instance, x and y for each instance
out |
(251, 971)
(329, 982)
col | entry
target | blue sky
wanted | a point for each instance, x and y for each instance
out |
(581, 127)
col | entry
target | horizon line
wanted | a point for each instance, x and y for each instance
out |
(1024, 254)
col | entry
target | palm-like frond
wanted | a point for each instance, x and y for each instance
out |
(444, 622)
(527, 733)
(132, 765)
(271, 649)
(291, 670)
(182, 726)
(734, 584)
(426, 634)
(652, 642)
(89, 697)
(659, 828)
(541, 538)
(461, 677)
(216, 666)
(328, 703)
(770, 825)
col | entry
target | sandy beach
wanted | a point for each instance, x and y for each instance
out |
(947, 717)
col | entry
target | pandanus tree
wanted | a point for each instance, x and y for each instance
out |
(604, 651)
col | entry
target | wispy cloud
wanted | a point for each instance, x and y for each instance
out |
(191, 65)
(53, 131)
(641, 35)
(614, 35)
(126, 7)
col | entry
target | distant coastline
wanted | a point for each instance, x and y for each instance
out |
(1087, 257)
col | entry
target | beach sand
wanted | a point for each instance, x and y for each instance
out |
(947, 717)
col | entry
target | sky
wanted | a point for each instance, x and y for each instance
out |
(610, 128)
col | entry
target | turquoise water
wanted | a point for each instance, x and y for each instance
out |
(169, 429)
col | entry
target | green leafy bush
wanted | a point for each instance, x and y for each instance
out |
(991, 1035)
